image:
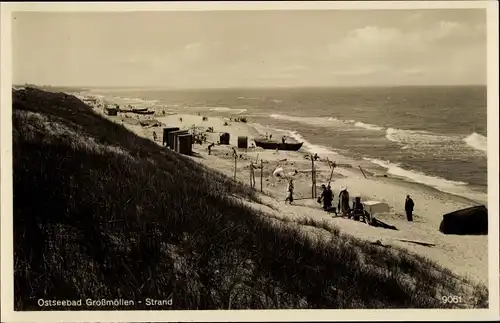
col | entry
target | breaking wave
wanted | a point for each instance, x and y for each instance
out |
(477, 141)
(442, 184)
(368, 126)
(412, 137)
(328, 122)
(225, 109)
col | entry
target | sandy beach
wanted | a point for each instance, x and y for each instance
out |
(464, 255)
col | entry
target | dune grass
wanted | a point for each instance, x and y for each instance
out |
(102, 213)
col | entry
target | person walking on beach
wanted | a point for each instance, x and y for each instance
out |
(409, 208)
(290, 188)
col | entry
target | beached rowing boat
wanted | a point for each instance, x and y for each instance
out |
(269, 144)
(139, 109)
(144, 112)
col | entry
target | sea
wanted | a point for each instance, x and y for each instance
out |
(434, 136)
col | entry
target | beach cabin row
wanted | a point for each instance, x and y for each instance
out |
(178, 140)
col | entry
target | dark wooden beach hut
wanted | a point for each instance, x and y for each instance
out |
(184, 144)
(166, 131)
(111, 111)
(172, 138)
(224, 139)
(469, 221)
(243, 142)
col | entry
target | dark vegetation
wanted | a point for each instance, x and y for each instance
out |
(102, 213)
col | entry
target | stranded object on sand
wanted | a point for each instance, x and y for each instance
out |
(270, 144)
(469, 221)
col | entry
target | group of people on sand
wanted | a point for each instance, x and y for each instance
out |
(326, 198)
(343, 206)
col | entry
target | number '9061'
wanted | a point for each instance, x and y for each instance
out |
(451, 299)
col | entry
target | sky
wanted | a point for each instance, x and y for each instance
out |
(211, 49)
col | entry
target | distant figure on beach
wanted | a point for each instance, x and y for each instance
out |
(316, 157)
(343, 205)
(270, 136)
(210, 148)
(154, 136)
(267, 136)
(283, 139)
(290, 188)
(409, 208)
(180, 119)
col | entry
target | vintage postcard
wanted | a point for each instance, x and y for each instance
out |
(249, 161)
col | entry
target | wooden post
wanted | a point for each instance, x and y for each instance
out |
(362, 171)
(235, 158)
(253, 175)
(261, 173)
(251, 168)
(331, 175)
(313, 179)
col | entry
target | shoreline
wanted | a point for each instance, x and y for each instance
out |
(468, 193)
(465, 255)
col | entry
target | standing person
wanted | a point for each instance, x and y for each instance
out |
(283, 139)
(290, 191)
(409, 208)
(321, 198)
(154, 136)
(344, 201)
(270, 136)
(329, 197)
(326, 197)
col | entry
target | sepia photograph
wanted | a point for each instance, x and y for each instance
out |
(204, 158)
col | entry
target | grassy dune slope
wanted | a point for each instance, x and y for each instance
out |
(102, 213)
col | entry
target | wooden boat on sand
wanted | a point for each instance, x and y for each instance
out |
(270, 144)
(144, 112)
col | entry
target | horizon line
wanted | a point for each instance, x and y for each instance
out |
(242, 87)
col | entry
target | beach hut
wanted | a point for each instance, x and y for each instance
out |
(166, 131)
(184, 144)
(172, 138)
(243, 142)
(111, 111)
(224, 139)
